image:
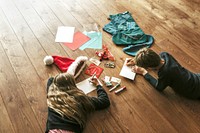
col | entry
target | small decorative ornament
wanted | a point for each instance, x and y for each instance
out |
(110, 65)
(105, 54)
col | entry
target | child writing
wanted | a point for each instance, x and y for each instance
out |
(170, 73)
(68, 106)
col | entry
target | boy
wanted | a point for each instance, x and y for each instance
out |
(170, 73)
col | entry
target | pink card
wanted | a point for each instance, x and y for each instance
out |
(79, 39)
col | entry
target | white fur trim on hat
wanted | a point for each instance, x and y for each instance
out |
(72, 68)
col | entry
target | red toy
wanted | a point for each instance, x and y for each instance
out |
(105, 54)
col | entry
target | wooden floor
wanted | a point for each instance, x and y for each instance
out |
(27, 35)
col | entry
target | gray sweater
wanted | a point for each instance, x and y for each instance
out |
(181, 80)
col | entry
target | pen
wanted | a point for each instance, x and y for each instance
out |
(119, 90)
(114, 87)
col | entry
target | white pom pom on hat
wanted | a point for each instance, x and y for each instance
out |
(48, 60)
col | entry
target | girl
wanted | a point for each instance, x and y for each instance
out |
(68, 106)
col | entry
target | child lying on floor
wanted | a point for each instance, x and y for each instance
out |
(170, 73)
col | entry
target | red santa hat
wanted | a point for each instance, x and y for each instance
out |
(71, 66)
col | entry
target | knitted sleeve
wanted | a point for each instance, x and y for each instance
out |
(157, 84)
(102, 100)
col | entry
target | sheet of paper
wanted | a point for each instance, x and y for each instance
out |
(95, 42)
(116, 80)
(127, 72)
(95, 61)
(79, 39)
(86, 86)
(65, 34)
(107, 79)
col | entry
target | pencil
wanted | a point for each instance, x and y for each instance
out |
(93, 75)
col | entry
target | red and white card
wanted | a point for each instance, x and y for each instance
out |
(92, 68)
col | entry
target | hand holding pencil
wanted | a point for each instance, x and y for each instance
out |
(94, 80)
(130, 62)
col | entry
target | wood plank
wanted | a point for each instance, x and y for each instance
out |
(5, 122)
(66, 19)
(13, 95)
(33, 86)
(27, 33)
(187, 47)
(174, 31)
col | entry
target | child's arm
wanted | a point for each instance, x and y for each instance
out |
(151, 79)
(159, 84)
(139, 70)
(102, 100)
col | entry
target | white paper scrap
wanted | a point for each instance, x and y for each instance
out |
(95, 61)
(65, 34)
(116, 80)
(107, 79)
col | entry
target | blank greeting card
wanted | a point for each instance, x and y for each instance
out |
(86, 86)
(127, 72)
(65, 34)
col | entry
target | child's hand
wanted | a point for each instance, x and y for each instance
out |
(139, 70)
(130, 62)
(94, 81)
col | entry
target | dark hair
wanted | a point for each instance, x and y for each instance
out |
(146, 57)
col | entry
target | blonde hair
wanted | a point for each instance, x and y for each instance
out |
(146, 57)
(67, 100)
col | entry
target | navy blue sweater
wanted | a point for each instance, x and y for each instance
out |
(181, 80)
(56, 121)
